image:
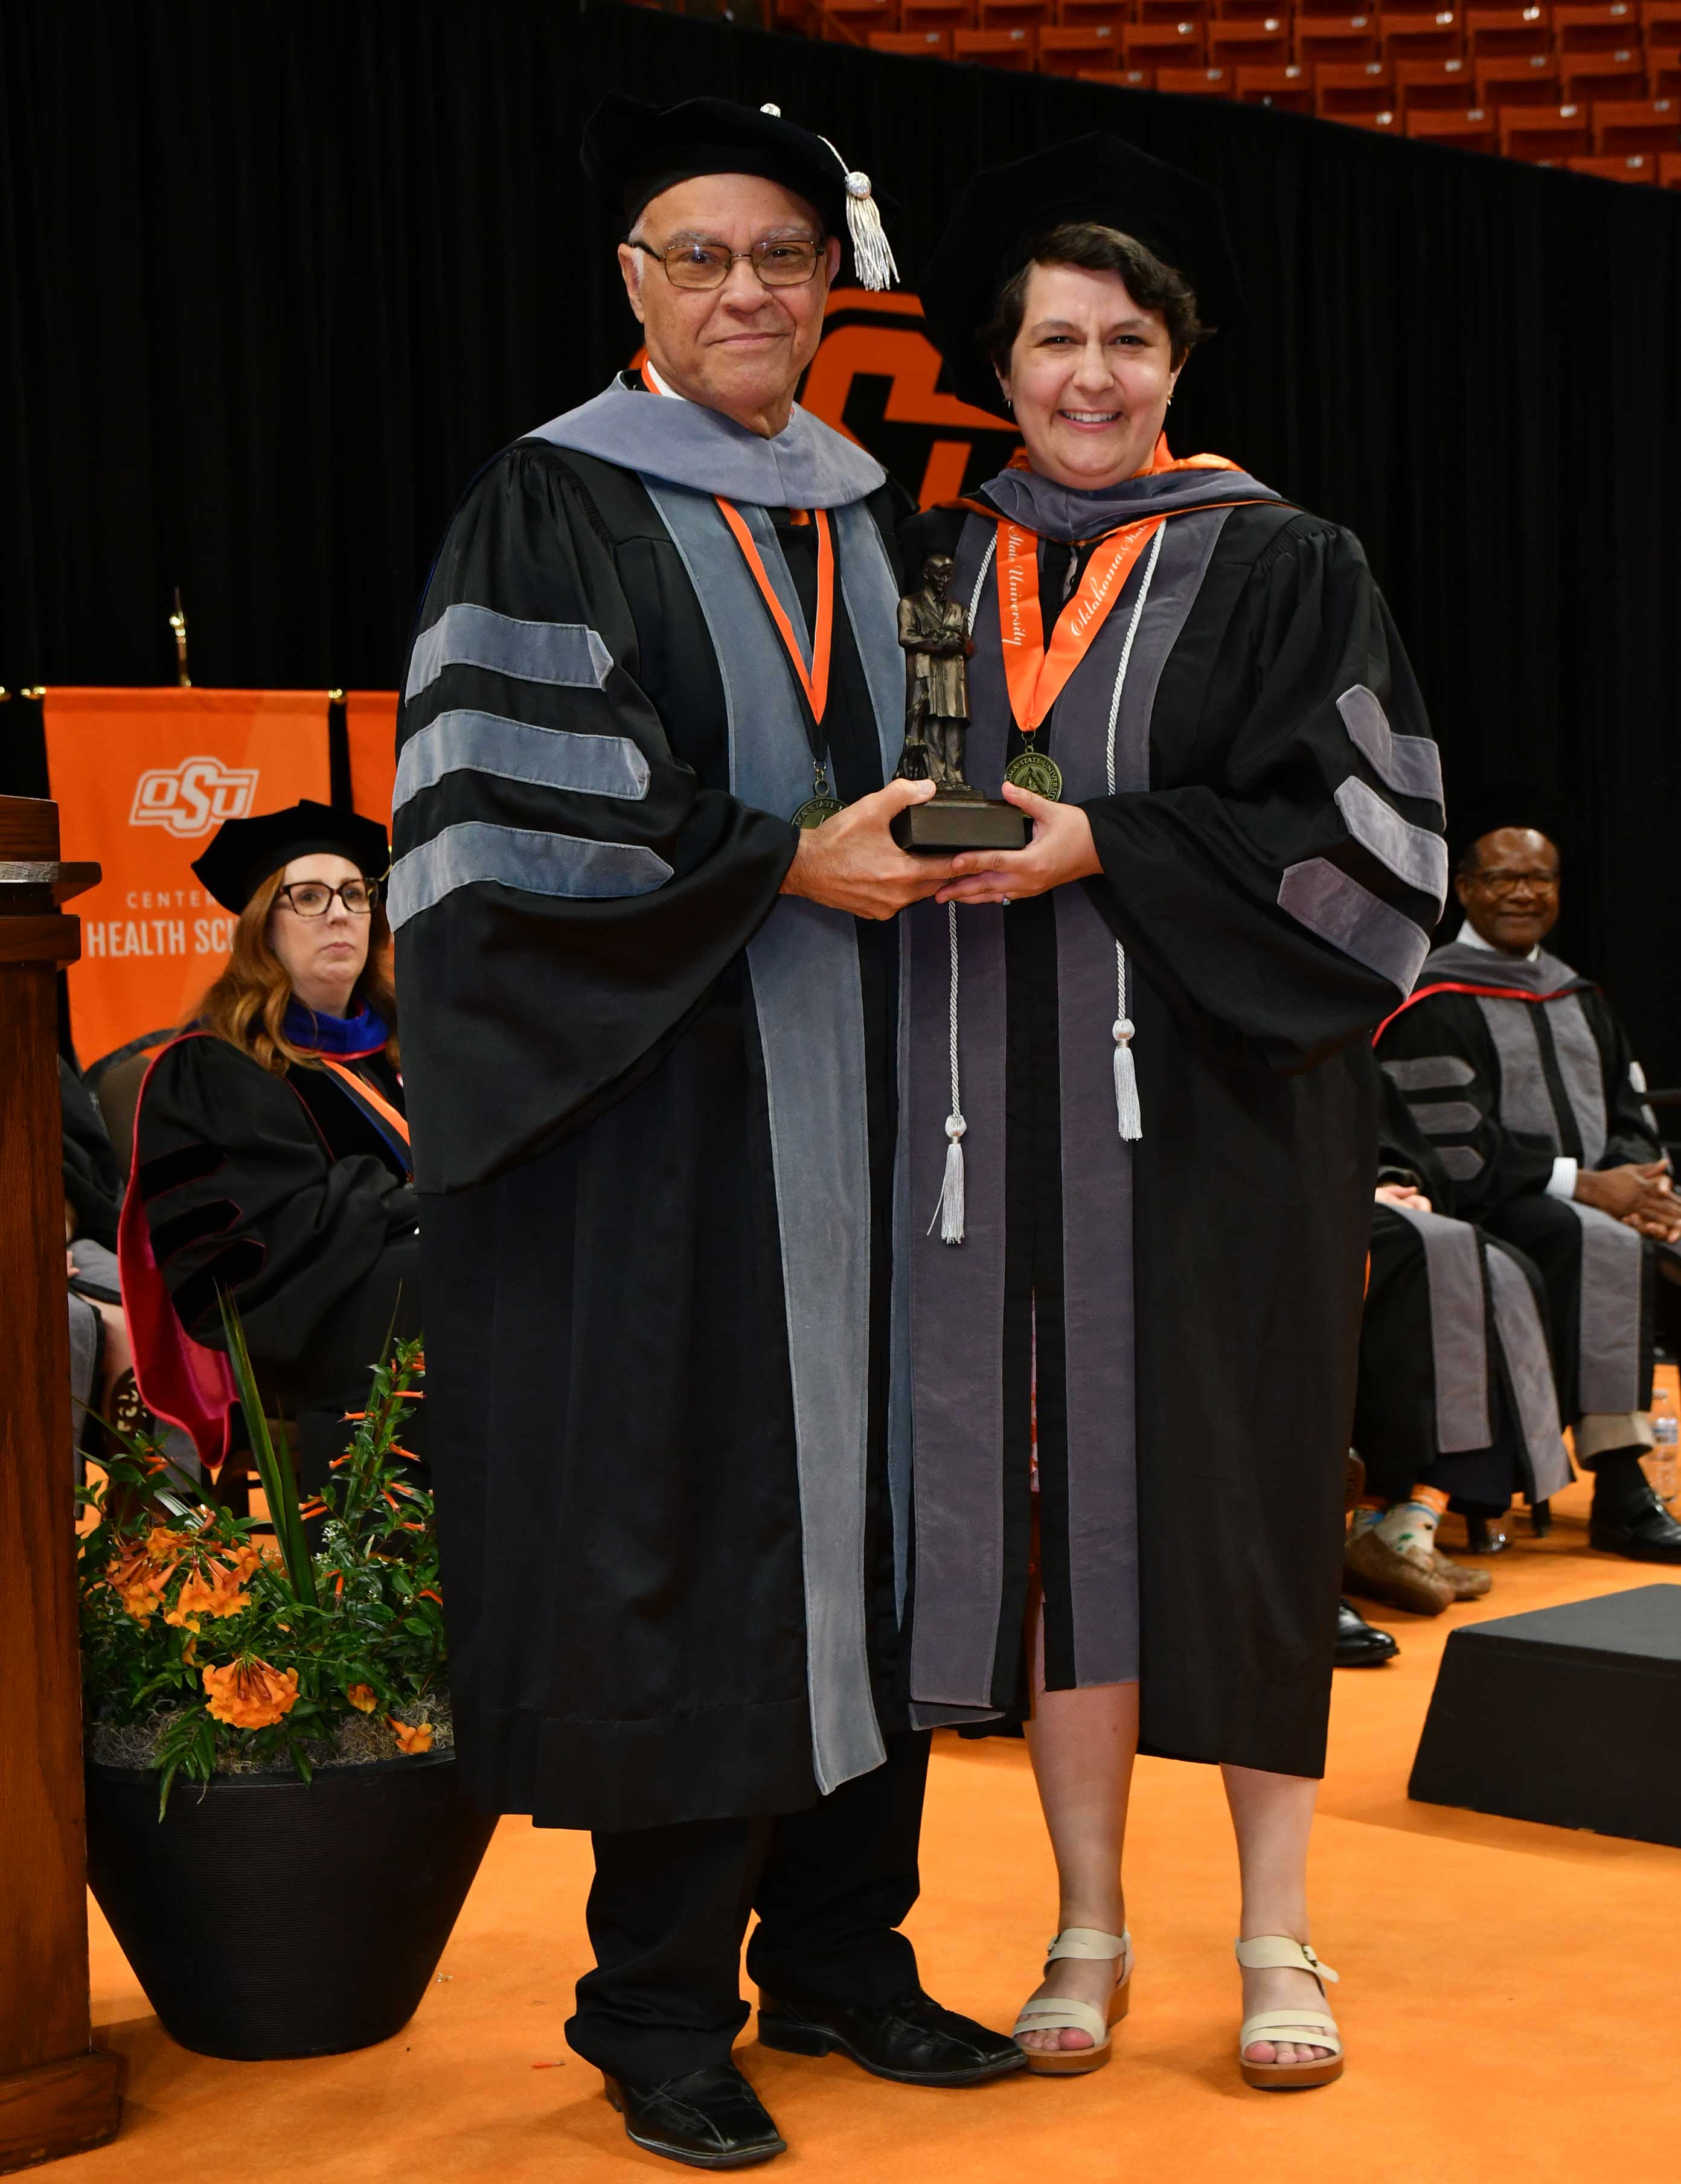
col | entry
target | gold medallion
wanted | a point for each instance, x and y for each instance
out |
(816, 808)
(1037, 772)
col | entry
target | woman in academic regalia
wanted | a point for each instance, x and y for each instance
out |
(1135, 1100)
(272, 1154)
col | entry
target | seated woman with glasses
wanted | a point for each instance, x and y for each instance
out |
(271, 1155)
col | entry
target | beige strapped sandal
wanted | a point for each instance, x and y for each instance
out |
(1301, 2028)
(1051, 2014)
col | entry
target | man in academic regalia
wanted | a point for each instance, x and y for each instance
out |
(1455, 1405)
(1521, 1073)
(648, 1034)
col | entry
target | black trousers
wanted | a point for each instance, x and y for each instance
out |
(670, 1906)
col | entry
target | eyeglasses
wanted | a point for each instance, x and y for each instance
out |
(779, 263)
(313, 898)
(1504, 883)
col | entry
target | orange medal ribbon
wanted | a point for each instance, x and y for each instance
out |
(815, 684)
(1036, 677)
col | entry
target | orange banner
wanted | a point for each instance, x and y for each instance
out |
(142, 778)
(370, 722)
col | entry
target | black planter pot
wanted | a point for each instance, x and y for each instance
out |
(266, 1919)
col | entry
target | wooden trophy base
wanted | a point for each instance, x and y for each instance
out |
(947, 824)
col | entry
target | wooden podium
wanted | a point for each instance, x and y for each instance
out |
(58, 2092)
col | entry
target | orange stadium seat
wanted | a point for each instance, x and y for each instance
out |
(1547, 136)
(1603, 29)
(1387, 124)
(1627, 167)
(1335, 38)
(1248, 11)
(1663, 71)
(1065, 52)
(1289, 89)
(1532, 82)
(1120, 79)
(1262, 42)
(1661, 23)
(929, 44)
(1422, 37)
(1492, 33)
(1162, 45)
(1468, 130)
(1640, 125)
(1088, 14)
(999, 49)
(1669, 170)
(833, 19)
(1343, 89)
(1589, 78)
(1433, 87)
(1170, 11)
(948, 15)
(1014, 15)
(1196, 83)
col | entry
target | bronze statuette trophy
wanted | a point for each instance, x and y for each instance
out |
(933, 631)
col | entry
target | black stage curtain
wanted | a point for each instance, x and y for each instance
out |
(279, 276)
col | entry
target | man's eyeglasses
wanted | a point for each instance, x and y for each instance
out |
(779, 263)
(313, 898)
(1506, 882)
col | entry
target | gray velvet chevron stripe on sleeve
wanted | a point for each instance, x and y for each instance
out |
(1524, 1102)
(1462, 1162)
(569, 655)
(524, 857)
(1322, 897)
(1412, 853)
(1444, 1118)
(1429, 1072)
(513, 750)
(1410, 764)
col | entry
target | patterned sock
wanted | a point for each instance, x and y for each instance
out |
(1411, 1525)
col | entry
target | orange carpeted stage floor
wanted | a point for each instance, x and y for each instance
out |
(1510, 1998)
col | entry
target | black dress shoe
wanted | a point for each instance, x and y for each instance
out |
(912, 2041)
(1642, 1530)
(1358, 1646)
(710, 2119)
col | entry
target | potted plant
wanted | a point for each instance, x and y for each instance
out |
(275, 1830)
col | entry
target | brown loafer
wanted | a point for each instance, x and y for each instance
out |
(1468, 1584)
(1399, 1577)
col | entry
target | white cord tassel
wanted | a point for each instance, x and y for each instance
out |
(1128, 1115)
(950, 1211)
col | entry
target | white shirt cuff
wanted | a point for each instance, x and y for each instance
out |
(1561, 1184)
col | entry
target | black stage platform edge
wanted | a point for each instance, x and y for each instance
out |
(1569, 1715)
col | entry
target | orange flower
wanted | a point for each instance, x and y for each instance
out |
(216, 1591)
(137, 1585)
(249, 1694)
(164, 1546)
(245, 1559)
(361, 1697)
(412, 1737)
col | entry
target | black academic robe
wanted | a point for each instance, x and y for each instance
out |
(609, 1372)
(1250, 1188)
(1505, 1080)
(1456, 1388)
(280, 1189)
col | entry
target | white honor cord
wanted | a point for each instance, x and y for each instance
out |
(1128, 1117)
(950, 1211)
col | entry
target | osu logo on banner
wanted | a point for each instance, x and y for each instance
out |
(191, 797)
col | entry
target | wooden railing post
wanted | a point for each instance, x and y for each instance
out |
(58, 2092)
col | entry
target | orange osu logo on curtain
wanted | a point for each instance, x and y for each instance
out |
(142, 778)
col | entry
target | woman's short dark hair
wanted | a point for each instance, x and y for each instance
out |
(1150, 283)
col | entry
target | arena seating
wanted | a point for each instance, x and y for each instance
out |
(1596, 87)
